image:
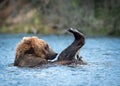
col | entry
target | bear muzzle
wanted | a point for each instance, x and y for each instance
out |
(52, 55)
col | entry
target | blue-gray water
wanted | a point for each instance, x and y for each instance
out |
(101, 53)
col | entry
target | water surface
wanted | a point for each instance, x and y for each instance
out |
(101, 53)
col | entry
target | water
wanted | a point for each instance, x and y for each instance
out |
(101, 53)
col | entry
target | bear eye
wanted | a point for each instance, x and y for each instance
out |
(46, 47)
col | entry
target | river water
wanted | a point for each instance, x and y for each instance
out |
(101, 53)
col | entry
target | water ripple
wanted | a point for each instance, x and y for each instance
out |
(101, 54)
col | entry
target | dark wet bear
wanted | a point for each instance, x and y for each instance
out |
(71, 53)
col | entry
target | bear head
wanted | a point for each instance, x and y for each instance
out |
(34, 45)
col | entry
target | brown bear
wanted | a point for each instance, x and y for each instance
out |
(32, 51)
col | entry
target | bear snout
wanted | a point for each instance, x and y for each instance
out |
(52, 55)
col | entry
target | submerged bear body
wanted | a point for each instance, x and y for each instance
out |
(32, 51)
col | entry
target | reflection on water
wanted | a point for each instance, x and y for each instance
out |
(101, 53)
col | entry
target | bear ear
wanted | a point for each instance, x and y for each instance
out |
(27, 40)
(35, 37)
